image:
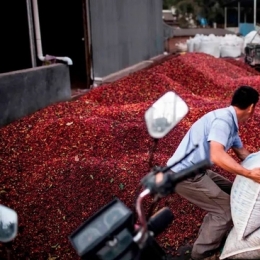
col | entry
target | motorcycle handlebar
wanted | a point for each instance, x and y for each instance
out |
(163, 188)
(188, 172)
(170, 179)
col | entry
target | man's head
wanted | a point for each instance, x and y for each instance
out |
(244, 100)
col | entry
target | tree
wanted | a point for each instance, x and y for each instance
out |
(212, 10)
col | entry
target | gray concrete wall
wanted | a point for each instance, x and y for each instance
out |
(124, 32)
(26, 91)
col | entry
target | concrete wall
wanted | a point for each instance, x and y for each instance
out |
(26, 91)
(233, 29)
(124, 32)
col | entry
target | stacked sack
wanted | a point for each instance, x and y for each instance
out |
(205, 44)
(231, 46)
(217, 46)
(243, 241)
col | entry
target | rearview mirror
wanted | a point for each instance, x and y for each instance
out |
(165, 114)
(8, 224)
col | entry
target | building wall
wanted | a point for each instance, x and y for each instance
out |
(124, 32)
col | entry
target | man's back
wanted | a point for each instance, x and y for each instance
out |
(215, 124)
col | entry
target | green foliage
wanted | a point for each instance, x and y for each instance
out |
(212, 10)
(167, 4)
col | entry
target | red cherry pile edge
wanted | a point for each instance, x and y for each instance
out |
(61, 164)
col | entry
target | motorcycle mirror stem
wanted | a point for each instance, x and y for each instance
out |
(160, 119)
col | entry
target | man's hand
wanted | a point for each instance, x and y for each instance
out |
(159, 184)
(159, 178)
(254, 175)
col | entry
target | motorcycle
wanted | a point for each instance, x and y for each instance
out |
(111, 233)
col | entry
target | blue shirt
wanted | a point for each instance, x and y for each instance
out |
(220, 125)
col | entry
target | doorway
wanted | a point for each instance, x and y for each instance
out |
(15, 46)
(62, 31)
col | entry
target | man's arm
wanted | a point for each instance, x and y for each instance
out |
(241, 153)
(219, 157)
(238, 148)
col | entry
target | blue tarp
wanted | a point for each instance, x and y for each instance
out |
(245, 28)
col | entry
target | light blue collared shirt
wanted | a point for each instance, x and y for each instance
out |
(220, 125)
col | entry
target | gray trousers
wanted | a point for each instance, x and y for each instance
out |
(211, 192)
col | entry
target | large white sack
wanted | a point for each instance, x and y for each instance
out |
(212, 36)
(245, 200)
(210, 47)
(198, 36)
(190, 45)
(241, 249)
(231, 40)
(230, 51)
(196, 44)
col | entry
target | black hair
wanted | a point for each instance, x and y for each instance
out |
(244, 97)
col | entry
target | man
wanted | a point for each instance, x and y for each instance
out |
(215, 133)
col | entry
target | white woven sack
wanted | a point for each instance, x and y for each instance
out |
(196, 45)
(241, 249)
(210, 47)
(190, 45)
(230, 51)
(245, 200)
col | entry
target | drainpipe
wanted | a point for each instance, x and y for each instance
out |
(86, 39)
(38, 36)
(31, 32)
